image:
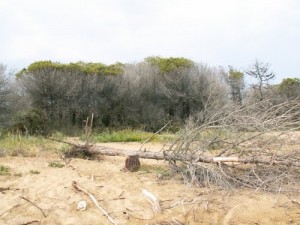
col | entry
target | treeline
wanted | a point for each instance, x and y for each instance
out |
(49, 96)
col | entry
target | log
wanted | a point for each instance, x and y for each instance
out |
(144, 155)
(226, 159)
(188, 157)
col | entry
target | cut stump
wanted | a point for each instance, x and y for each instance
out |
(132, 163)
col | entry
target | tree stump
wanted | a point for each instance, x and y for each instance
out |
(132, 163)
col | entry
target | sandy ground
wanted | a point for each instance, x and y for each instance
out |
(53, 199)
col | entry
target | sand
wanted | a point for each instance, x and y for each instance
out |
(53, 200)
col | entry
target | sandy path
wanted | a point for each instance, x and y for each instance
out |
(120, 194)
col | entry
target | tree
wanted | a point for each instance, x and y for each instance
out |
(69, 93)
(4, 91)
(144, 95)
(167, 65)
(260, 71)
(290, 87)
(235, 80)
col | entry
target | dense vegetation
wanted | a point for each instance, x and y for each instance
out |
(49, 96)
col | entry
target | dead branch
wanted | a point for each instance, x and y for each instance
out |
(88, 129)
(15, 206)
(65, 142)
(157, 132)
(247, 146)
(32, 203)
(34, 221)
(242, 146)
(77, 187)
(153, 200)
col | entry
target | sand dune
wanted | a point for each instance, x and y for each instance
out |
(120, 194)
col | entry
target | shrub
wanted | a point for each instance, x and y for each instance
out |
(4, 170)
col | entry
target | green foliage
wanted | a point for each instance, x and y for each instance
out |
(4, 170)
(21, 72)
(235, 79)
(31, 121)
(130, 136)
(235, 74)
(167, 65)
(58, 135)
(43, 65)
(290, 87)
(101, 69)
(56, 164)
(82, 67)
(141, 96)
(17, 144)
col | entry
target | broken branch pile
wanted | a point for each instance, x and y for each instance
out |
(255, 146)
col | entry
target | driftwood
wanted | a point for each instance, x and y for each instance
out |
(153, 200)
(77, 187)
(35, 205)
(187, 157)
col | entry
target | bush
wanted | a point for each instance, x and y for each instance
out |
(32, 121)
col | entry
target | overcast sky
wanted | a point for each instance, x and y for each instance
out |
(216, 32)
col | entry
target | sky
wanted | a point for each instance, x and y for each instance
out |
(214, 32)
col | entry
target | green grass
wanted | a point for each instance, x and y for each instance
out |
(4, 170)
(58, 135)
(28, 146)
(131, 136)
(56, 164)
(13, 144)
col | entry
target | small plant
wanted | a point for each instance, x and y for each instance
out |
(4, 170)
(18, 174)
(34, 172)
(56, 164)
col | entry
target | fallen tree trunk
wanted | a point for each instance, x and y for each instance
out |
(187, 157)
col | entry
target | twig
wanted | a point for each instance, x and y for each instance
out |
(121, 194)
(10, 209)
(135, 217)
(34, 205)
(65, 142)
(34, 221)
(183, 209)
(174, 204)
(296, 202)
(77, 187)
(154, 134)
(88, 129)
(276, 201)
